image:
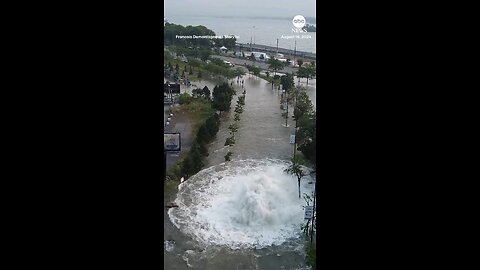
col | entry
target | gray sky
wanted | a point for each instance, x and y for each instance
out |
(241, 8)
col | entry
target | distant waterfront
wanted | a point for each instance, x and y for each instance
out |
(259, 30)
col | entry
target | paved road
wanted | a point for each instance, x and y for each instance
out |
(179, 123)
(262, 65)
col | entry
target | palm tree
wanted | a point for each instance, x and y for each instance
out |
(296, 169)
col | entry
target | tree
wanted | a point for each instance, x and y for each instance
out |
(310, 71)
(185, 98)
(238, 72)
(227, 156)
(177, 68)
(300, 62)
(233, 129)
(230, 141)
(287, 82)
(307, 136)
(303, 106)
(205, 54)
(203, 134)
(256, 71)
(241, 100)
(296, 169)
(222, 97)
(239, 109)
(196, 158)
(275, 65)
(212, 124)
(190, 72)
(206, 92)
(236, 117)
(302, 72)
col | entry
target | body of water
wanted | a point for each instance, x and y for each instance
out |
(259, 30)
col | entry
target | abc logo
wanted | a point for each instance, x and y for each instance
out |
(298, 21)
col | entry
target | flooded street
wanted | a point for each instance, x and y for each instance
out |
(263, 137)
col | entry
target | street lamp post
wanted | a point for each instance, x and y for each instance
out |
(296, 121)
(286, 117)
(313, 214)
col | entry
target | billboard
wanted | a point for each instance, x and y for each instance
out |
(171, 142)
(174, 88)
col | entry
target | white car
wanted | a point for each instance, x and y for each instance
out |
(228, 63)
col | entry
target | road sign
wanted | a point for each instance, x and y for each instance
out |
(308, 212)
(171, 142)
(292, 139)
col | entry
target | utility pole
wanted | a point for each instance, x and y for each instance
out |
(277, 48)
(294, 52)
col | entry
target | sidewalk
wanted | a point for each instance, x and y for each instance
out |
(180, 123)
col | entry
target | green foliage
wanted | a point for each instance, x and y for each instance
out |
(239, 109)
(287, 82)
(201, 93)
(275, 65)
(203, 134)
(222, 97)
(190, 72)
(300, 62)
(256, 71)
(238, 72)
(205, 54)
(236, 117)
(213, 124)
(241, 100)
(227, 156)
(194, 62)
(185, 98)
(229, 43)
(295, 168)
(233, 128)
(303, 105)
(307, 136)
(229, 141)
(311, 255)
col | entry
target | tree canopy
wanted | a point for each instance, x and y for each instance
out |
(222, 97)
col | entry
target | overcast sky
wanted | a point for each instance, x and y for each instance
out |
(240, 8)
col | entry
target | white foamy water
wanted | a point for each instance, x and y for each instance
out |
(169, 245)
(241, 204)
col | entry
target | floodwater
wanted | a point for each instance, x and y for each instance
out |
(244, 214)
